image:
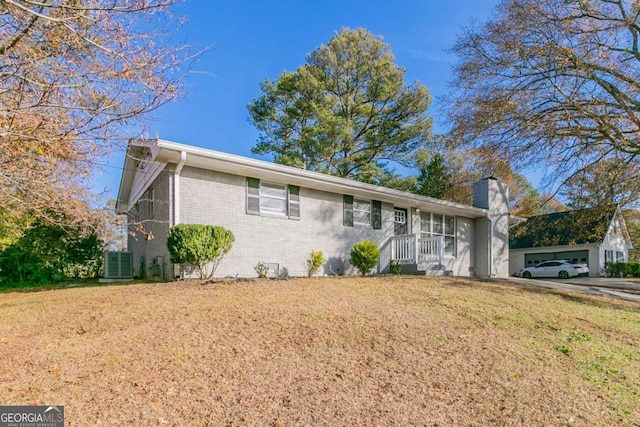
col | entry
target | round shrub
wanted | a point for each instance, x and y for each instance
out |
(199, 245)
(364, 256)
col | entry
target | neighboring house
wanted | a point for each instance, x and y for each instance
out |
(591, 236)
(279, 214)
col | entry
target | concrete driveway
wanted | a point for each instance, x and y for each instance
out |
(590, 285)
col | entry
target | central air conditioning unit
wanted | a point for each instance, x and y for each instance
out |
(118, 265)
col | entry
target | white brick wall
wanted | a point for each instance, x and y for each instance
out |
(215, 198)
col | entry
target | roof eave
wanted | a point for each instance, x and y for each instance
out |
(169, 152)
(555, 247)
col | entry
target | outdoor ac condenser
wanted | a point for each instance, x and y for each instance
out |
(118, 265)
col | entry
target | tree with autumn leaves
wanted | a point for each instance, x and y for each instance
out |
(76, 77)
(554, 83)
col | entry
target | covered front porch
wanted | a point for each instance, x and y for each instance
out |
(417, 253)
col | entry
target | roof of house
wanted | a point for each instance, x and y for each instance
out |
(578, 227)
(160, 153)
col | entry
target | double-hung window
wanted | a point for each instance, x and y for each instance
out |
(361, 212)
(432, 225)
(266, 198)
(608, 256)
(273, 198)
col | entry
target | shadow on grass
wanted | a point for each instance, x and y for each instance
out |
(93, 283)
(594, 300)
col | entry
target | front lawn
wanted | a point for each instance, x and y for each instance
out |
(379, 351)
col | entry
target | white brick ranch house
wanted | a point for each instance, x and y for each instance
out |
(279, 214)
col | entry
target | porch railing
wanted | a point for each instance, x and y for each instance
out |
(414, 248)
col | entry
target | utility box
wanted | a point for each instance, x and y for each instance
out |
(118, 265)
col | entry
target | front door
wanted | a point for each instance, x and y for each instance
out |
(400, 225)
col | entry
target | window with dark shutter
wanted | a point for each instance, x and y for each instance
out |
(253, 196)
(348, 210)
(294, 202)
(361, 212)
(377, 214)
(273, 199)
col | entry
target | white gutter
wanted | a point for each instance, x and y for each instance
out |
(176, 187)
(171, 152)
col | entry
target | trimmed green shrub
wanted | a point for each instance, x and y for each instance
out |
(364, 256)
(199, 245)
(315, 261)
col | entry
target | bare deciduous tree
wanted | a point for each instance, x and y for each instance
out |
(75, 76)
(552, 81)
(607, 182)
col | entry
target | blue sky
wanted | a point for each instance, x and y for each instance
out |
(254, 40)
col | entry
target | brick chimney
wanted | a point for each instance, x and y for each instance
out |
(491, 255)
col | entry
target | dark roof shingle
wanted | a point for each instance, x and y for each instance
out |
(563, 228)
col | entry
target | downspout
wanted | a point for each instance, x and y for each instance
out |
(176, 202)
(176, 188)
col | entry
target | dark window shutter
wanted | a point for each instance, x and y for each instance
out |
(376, 219)
(253, 196)
(294, 202)
(348, 210)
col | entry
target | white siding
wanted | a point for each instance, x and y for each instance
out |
(613, 241)
(156, 223)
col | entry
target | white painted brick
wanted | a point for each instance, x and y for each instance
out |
(209, 197)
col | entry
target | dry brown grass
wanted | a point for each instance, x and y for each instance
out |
(376, 351)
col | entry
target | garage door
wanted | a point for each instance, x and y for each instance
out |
(581, 257)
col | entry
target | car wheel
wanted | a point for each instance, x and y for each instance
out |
(563, 275)
(526, 275)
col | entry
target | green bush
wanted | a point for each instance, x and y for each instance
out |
(364, 256)
(395, 267)
(49, 253)
(622, 269)
(634, 269)
(261, 269)
(315, 261)
(199, 245)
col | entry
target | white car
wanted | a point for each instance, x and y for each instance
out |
(556, 268)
